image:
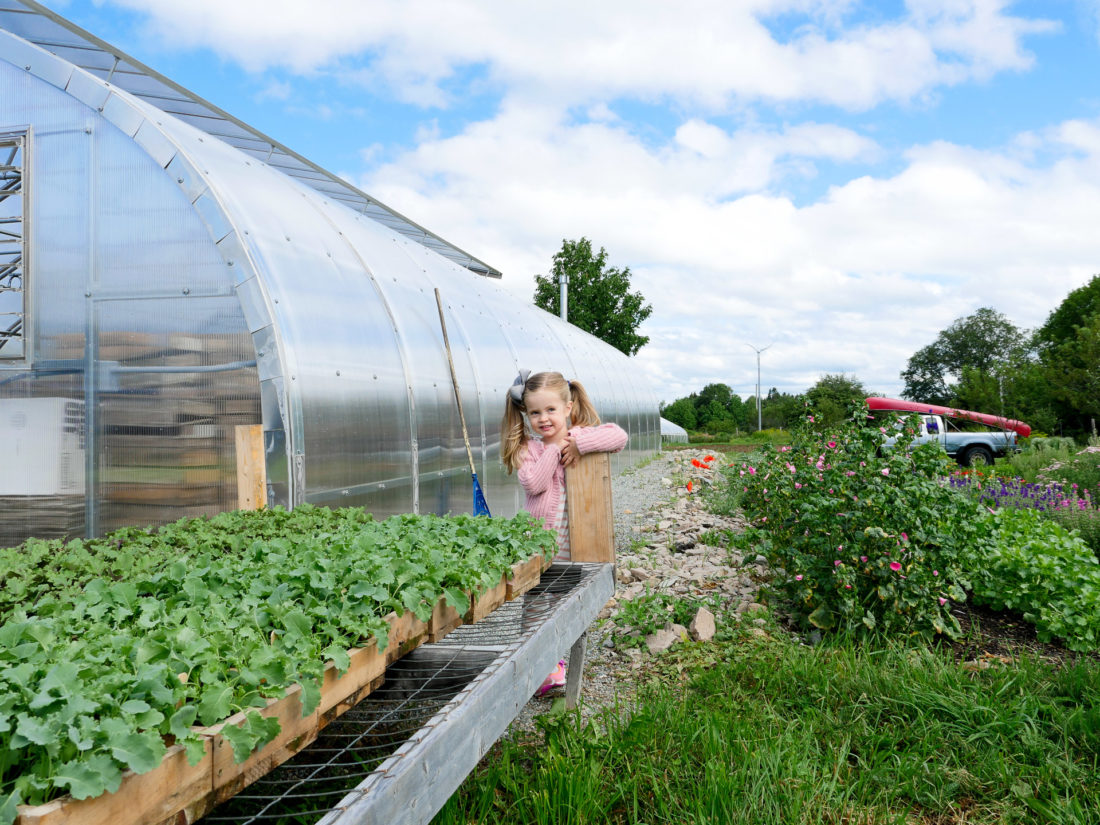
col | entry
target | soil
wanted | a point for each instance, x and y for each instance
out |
(989, 634)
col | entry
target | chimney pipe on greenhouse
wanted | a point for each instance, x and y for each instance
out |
(563, 281)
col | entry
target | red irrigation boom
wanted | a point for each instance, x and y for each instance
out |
(899, 405)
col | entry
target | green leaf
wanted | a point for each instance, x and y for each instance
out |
(216, 703)
(33, 730)
(8, 810)
(179, 725)
(822, 617)
(140, 751)
(89, 778)
(253, 733)
(339, 656)
(457, 598)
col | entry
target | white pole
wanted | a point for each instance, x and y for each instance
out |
(563, 282)
(759, 419)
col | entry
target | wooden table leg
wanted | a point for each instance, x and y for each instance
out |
(575, 674)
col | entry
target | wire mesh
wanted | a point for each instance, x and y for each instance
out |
(421, 691)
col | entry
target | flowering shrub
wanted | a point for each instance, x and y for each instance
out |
(862, 540)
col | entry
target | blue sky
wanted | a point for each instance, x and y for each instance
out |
(839, 179)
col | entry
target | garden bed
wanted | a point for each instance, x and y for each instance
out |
(176, 788)
(153, 658)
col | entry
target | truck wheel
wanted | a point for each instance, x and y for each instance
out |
(977, 457)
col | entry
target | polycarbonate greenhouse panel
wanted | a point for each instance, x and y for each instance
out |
(178, 287)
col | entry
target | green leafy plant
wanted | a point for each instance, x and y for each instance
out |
(1036, 567)
(650, 612)
(108, 647)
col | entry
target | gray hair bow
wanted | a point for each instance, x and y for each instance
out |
(515, 392)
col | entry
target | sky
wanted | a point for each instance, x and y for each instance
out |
(834, 180)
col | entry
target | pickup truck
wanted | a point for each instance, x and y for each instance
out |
(968, 448)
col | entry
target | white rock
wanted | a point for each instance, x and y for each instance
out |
(702, 626)
(661, 641)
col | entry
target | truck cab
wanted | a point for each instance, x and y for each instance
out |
(954, 430)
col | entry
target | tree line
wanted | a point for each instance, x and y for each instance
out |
(1048, 377)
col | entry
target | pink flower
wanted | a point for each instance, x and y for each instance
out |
(850, 473)
(791, 467)
(943, 601)
(831, 445)
(935, 572)
(863, 559)
(810, 418)
(837, 563)
(752, 471)
(797, 486)
(895, 566)
(904, 537)
(840, 549)
(885, 471)
(847, 587)
(798, 578)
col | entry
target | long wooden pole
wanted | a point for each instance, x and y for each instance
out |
(454, 382)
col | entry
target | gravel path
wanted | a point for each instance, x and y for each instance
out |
(658, 523)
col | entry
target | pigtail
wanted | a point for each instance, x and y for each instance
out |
(513, 435)
(584, 414)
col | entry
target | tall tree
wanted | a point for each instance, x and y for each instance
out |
(1076, 310)
(986, 343)
(833, 395)
(682, 412)
(599, 297)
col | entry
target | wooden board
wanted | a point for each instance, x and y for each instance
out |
(591, 517)
(296, 731)
(153, 797)
(251, 467)
(481, 605)
(444, 619)
(524, 576)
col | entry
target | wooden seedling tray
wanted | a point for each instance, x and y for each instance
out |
(525, 575)
(481, 605)
(176, 791)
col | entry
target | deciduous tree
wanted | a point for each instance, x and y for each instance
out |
(599, 299)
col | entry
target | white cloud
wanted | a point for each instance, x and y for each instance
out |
(711, 53)
(854, 282)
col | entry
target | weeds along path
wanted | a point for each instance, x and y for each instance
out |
(667, 544)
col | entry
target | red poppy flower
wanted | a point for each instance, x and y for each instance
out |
(708, 458)
(689, 486)
(696, 463)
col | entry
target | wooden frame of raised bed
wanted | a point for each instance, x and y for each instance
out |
(176, 792)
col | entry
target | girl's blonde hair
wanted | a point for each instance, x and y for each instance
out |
(513, 432)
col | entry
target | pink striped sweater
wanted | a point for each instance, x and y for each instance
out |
(543, 477)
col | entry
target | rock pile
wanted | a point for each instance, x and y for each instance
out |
(677, 547)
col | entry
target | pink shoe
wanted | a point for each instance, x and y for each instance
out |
(556, 679)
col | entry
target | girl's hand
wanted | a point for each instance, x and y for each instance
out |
(569, 452)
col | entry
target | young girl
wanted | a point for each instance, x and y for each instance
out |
(565, 426)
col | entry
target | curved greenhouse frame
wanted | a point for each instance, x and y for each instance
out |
(167, 284)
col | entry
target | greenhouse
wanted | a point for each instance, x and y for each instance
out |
(174, 283)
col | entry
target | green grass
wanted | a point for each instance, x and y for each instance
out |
(763, 730)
